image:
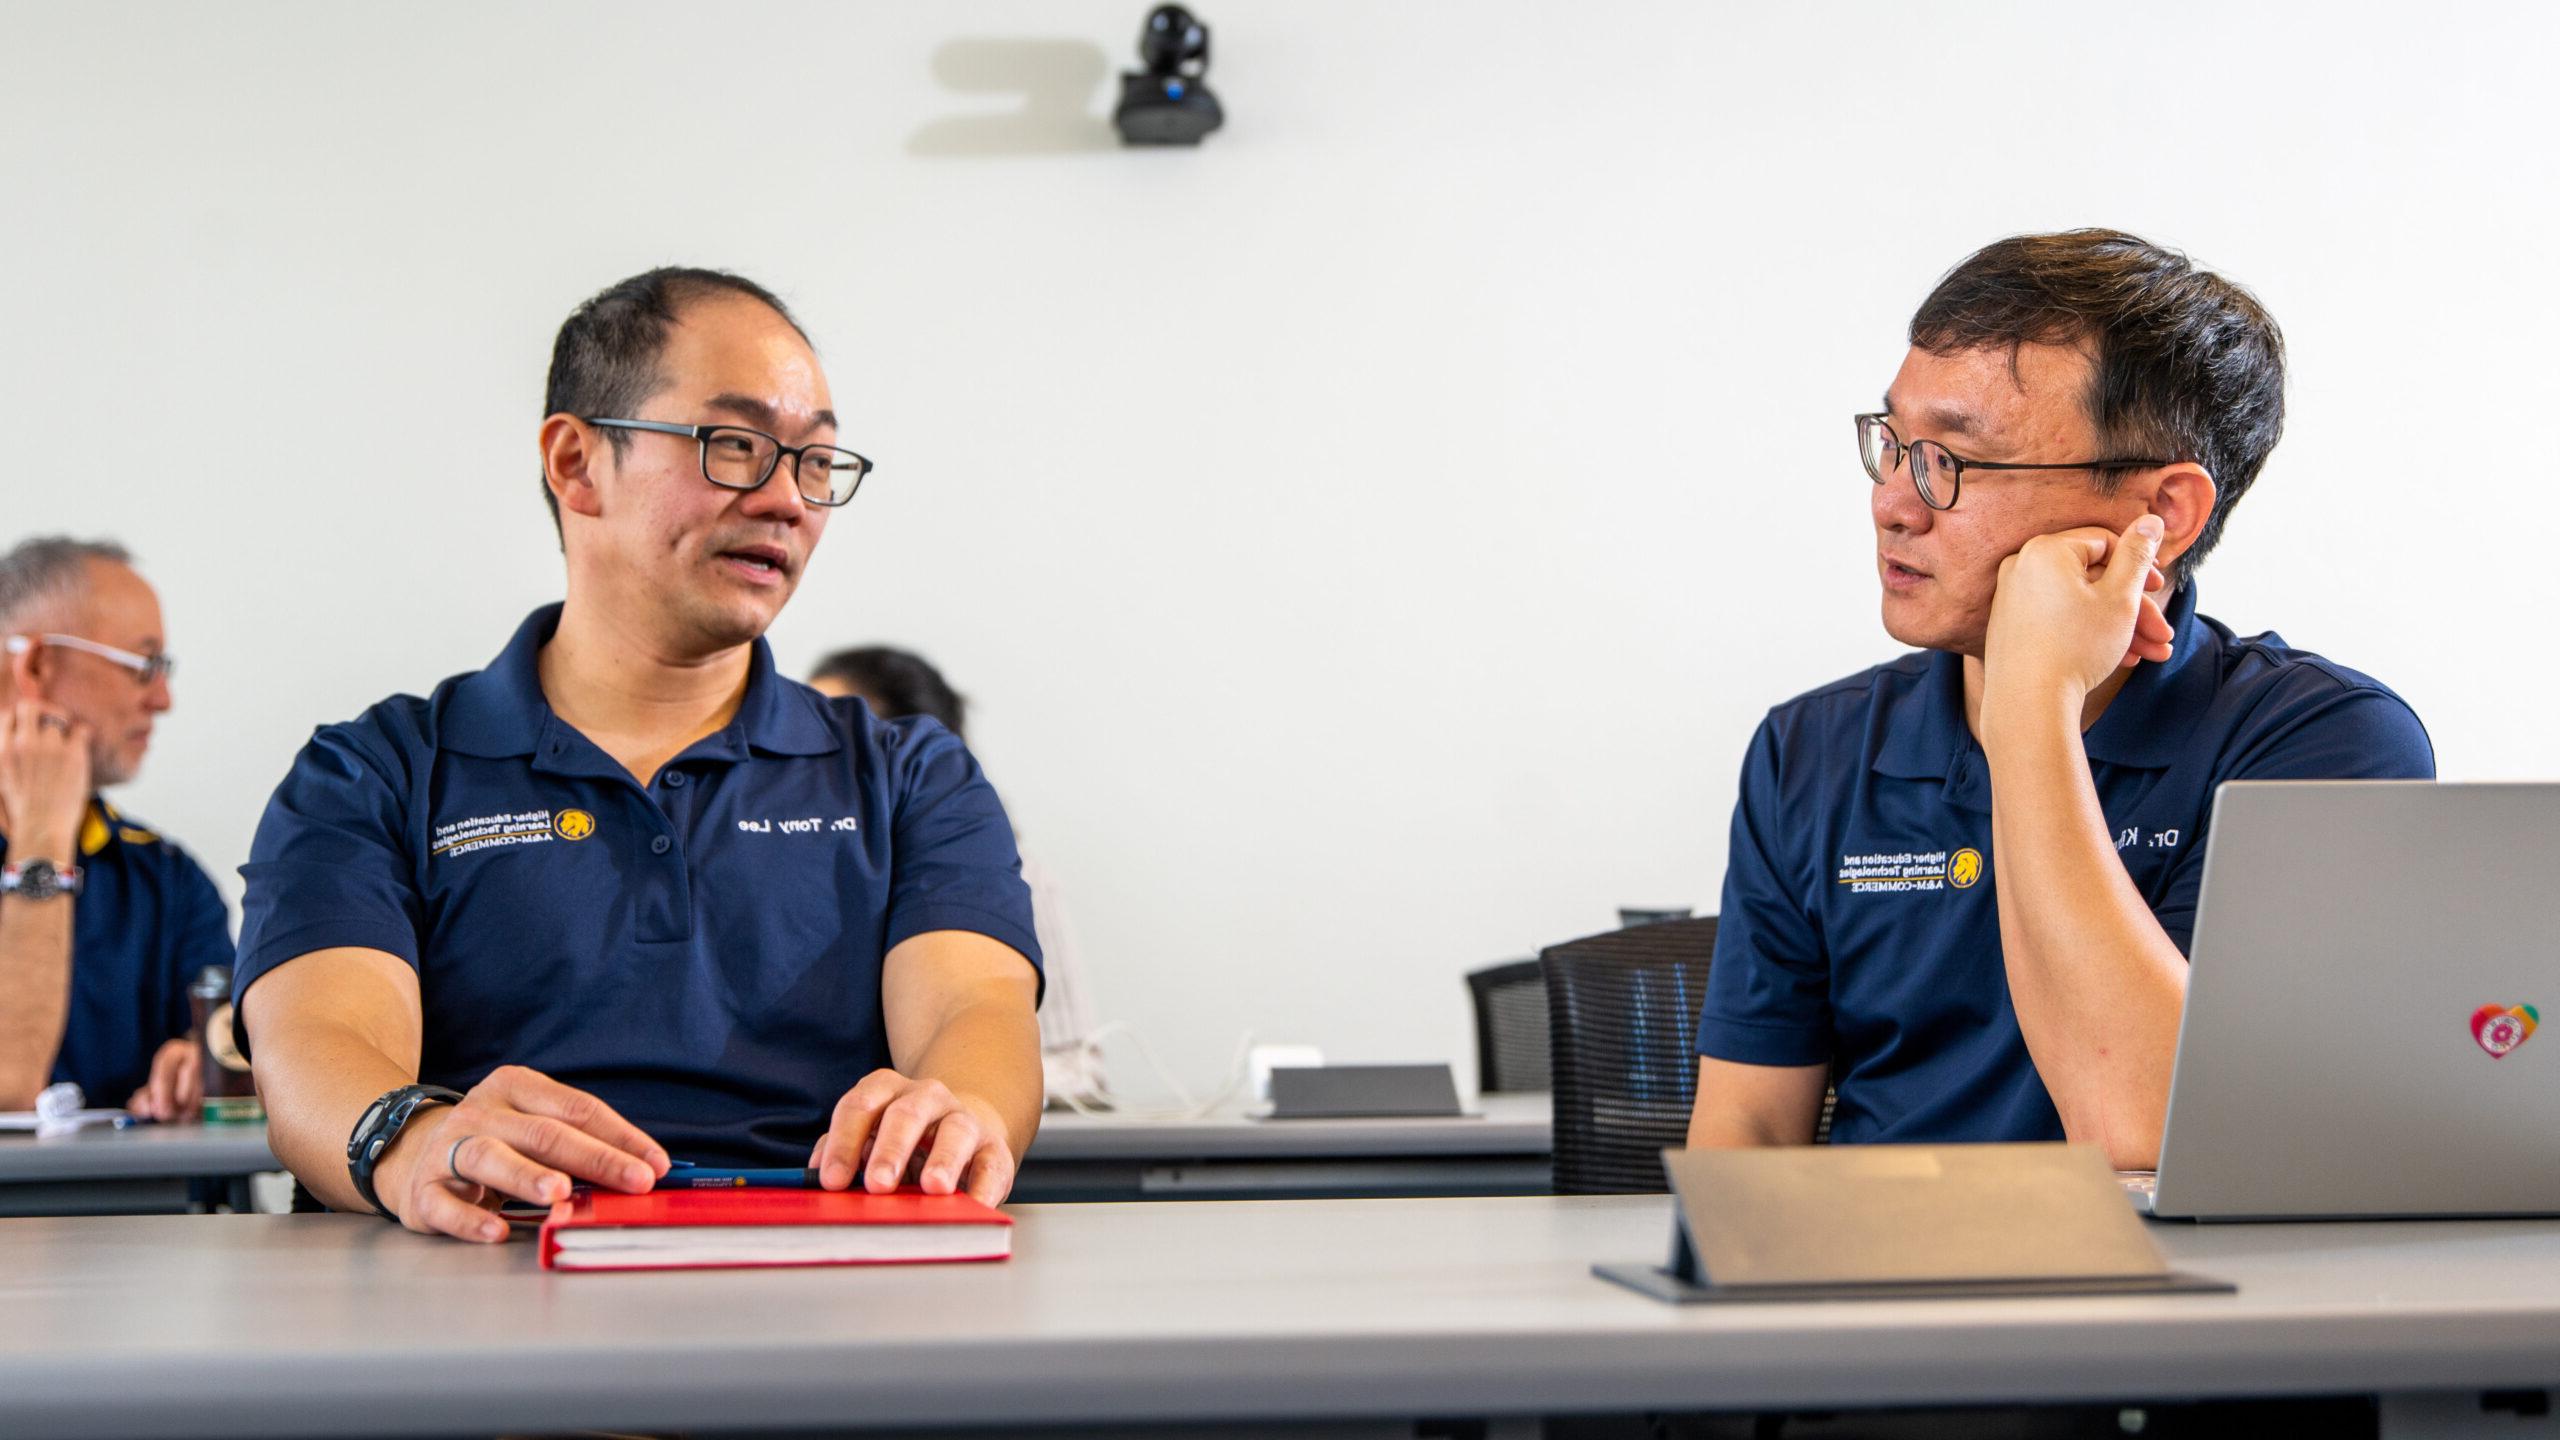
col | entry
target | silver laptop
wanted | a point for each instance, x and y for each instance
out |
(2373, 961)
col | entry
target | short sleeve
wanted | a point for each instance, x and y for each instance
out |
(956, 866)
(1769, 988)
(2361, 733)
(199, 936)
(332, 863)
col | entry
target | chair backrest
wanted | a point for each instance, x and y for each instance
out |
(1511, 1026)
(1623, 1019)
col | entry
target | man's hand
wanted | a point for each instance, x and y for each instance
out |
(44, 780)
(2071, 610)
(517, 1135)
(176, 1084)
(890, 1128)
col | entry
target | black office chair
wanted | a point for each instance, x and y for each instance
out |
(1623, 1015)
(1623, 1018)
(1511, 1027)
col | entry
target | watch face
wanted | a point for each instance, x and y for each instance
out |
(37, 880)
(363, 1134)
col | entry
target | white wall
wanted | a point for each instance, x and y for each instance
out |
(1370, 539)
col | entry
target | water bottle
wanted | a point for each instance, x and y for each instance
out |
(230, 1095)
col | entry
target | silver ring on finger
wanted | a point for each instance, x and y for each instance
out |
(453, 1161)
(53, 722)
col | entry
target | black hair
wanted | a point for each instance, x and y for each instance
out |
(604, 362)
(2185, 364)
(898, 682)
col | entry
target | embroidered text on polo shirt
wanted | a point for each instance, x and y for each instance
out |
(518, 827)
(1903, 872)
(804, 825)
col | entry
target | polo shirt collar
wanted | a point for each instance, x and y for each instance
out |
(1924, 729)
(2143, 727)
(500, 712)
(2151, 721)
(98, 827)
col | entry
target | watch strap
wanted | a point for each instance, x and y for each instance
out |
(381, 1124)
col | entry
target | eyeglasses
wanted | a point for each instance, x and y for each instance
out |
(737, 458)
(1938, 473)
(146, 668)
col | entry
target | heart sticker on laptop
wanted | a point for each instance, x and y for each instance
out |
(2501, 1028)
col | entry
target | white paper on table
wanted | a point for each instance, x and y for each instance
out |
(58, 1112)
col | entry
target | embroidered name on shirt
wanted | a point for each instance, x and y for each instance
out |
(809, 825)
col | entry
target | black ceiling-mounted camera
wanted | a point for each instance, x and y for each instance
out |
(1169, 103)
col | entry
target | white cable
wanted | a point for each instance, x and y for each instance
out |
(1238, 1073)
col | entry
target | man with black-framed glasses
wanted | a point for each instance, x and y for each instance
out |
(629, 896)
(104, 923)
(1961, 885)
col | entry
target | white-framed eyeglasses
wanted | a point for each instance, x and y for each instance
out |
(145, 668)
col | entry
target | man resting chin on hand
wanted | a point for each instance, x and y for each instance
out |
(1961, 885)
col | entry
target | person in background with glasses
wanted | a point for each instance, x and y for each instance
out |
(1961, 885)
(103, 923)
(628, 896)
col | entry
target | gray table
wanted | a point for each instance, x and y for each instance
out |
(1298, 1312)
(147, 1169)
(1502, 1149)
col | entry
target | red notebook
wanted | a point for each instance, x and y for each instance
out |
(700, 1229)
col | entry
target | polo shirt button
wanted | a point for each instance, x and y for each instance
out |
(660, 845)
(675, 779)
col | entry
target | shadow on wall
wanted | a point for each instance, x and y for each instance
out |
(1056, 80)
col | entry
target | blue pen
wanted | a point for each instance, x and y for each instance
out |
(685, 1175)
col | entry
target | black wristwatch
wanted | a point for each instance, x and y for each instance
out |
(382, 1123)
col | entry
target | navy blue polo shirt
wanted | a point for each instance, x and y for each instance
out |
(146, 920)
(702, 953)
(1860, 924)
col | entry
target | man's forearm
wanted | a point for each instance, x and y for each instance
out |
(1724, 1130)
(1743, 1106)
(35, 995)
(2097, 984)
(317, 1079)
(990, 1050)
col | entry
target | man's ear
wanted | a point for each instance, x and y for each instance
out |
(570, 457)
(27, 673)
(2183, 499)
